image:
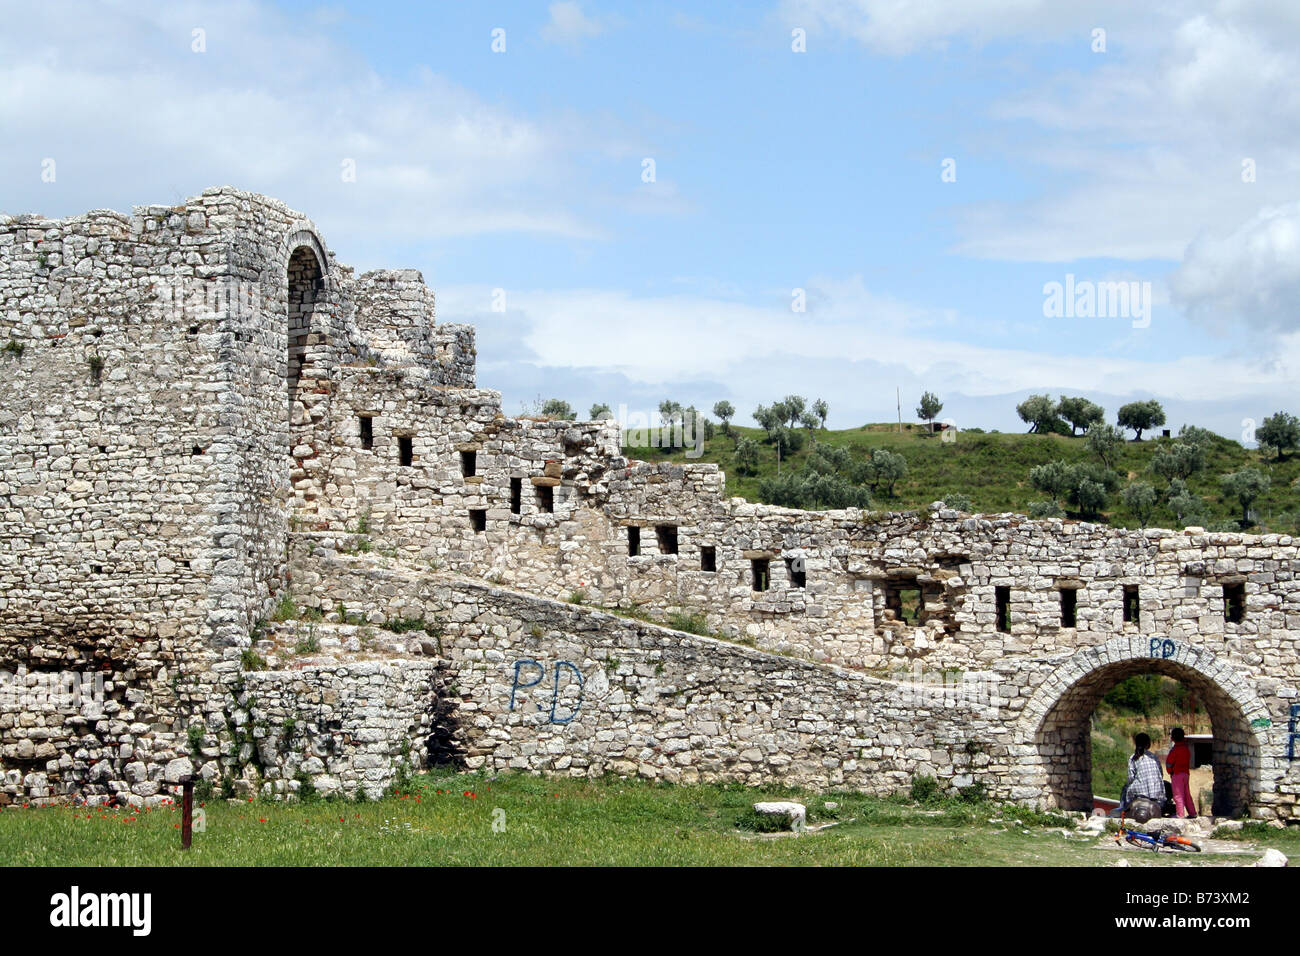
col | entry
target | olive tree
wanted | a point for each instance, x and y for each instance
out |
(1280, 431)
(1040, 412)
(1141, 416)
(1080, 413)
(1246, 486)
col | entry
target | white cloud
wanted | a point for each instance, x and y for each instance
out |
(1250, 275)
(1132, 156)
(898, 27)
(569, 25)
(852, 347)
(131, 115)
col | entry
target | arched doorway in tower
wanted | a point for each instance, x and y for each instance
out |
(1065, 739)
(306, 292)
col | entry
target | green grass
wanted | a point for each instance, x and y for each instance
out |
(550, 822)
(993, 470)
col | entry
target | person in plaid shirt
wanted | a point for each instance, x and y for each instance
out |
(1144, 794)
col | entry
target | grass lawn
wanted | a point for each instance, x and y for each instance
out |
(562, 822)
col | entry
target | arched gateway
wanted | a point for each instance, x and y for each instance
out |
(1056, 720)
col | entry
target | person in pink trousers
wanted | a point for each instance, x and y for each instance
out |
(1179, 764)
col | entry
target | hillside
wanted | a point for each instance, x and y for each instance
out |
(992, 470)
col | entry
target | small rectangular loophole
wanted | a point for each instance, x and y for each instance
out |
(468, 463)
(1002, 600)
(478, 519)
(708, 558)
(760, 574)
(1234, 602)
(1132, 606)
(633, 541)
(667, 537)
(545, 499)
(367, 432)
(1069, 607)
(405, 450)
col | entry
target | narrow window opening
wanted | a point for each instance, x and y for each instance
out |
(545, 498)
(1002, 595)
(667, 535)
(1132, 609)
(405, 450)
(904, 600)
(708, 558)
(633, 541)
(516, 495)
(367, 432)
(1234, 602)
(468, 463)
(478, 519)
(761, 573)
(1069, 607)
(97, 568)
(196, 451)
(794, 569)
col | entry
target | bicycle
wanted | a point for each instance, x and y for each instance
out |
(1155, 841)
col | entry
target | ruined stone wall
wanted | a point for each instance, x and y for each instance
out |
(841, 605)
(188, 386)
(550, 687)
(543, 686)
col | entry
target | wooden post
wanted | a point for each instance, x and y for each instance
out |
(187, 814)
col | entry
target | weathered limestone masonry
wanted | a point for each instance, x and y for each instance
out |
(257, 519)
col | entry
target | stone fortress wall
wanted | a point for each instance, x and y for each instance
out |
(170, 470)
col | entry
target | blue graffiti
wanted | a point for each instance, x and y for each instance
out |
(555, 698)
(1292, 734)
(516, 686)
(560, 666)
(1163, 648)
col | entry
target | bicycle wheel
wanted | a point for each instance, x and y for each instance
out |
(1187, 846)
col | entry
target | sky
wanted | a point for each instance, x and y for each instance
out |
(844, 199)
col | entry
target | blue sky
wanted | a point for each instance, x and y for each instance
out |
(775, 170)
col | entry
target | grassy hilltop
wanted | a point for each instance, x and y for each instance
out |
(992, 470)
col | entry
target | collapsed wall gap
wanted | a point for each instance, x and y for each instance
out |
(904, 599)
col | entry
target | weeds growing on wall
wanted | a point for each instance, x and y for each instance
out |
(286, 609)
